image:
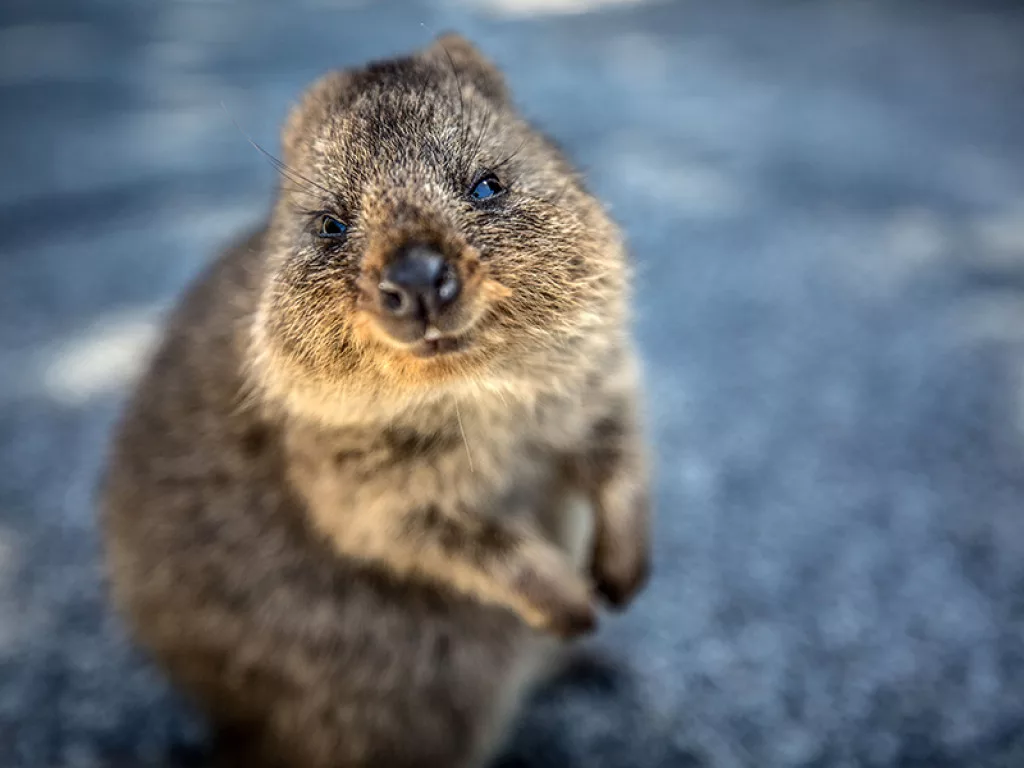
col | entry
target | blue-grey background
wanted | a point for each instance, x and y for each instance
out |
(826, 203)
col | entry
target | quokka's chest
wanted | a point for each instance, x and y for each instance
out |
(399, 467)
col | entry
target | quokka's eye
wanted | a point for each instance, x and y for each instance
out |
(486, 188)
(329, 228)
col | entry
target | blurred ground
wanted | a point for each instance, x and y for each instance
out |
(826, 201)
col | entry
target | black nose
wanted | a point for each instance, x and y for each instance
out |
(418, 283)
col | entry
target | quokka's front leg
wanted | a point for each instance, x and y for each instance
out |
(498, 562)
(615, 473)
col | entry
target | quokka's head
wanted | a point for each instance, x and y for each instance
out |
(426, 237)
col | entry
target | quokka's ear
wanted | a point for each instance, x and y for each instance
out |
(454, 51)
(317, 101)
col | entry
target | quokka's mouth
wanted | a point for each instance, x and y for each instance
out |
(436, 345)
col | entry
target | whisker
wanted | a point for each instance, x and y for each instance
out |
(481, 135)
(465, 118)
(511, 156)
(465, 442)
(279, 165)
(458, 84)
(291, 174)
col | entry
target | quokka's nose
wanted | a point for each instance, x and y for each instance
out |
(418, 283)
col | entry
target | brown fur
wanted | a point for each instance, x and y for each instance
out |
(349, 554)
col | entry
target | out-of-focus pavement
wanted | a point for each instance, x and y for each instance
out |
(826, 202)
